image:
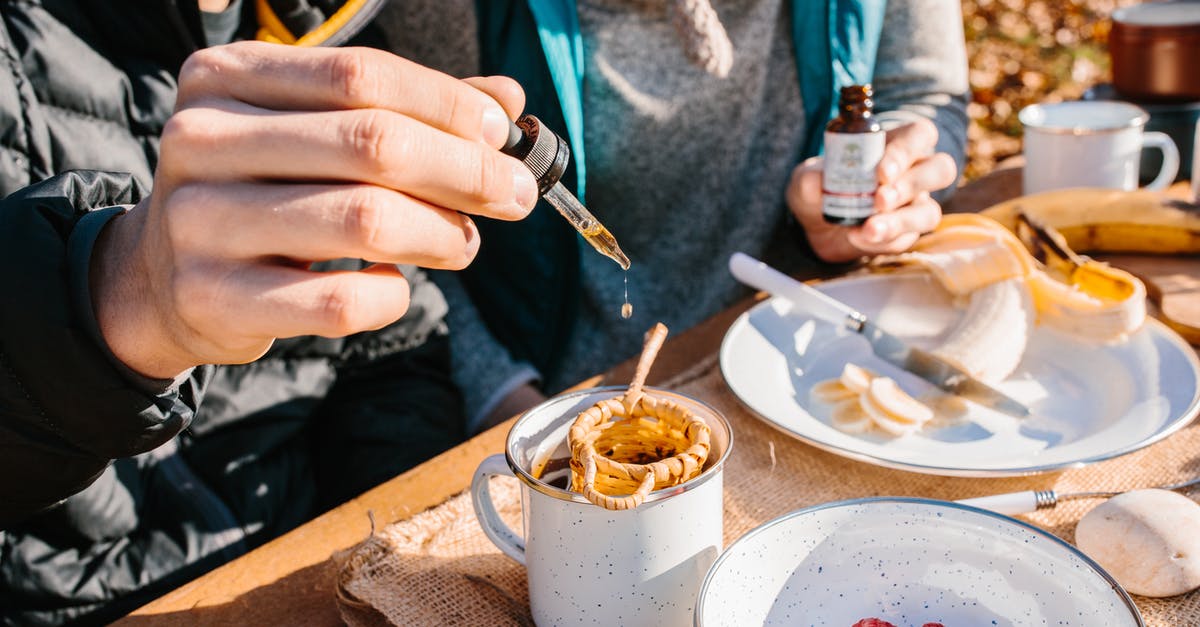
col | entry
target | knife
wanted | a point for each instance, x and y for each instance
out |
(890, 348)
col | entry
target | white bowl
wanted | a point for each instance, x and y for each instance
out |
(907, 561)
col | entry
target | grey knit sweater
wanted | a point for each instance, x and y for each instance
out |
(685, 168)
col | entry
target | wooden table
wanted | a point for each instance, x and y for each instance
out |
(289, 581)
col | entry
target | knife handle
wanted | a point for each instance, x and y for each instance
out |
(760, 276)
(1010, 503)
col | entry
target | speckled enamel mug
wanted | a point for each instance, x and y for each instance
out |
(587, 565)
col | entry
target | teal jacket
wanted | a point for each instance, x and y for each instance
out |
(525, 278)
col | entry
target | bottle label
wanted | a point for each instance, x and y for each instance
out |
(849, 179)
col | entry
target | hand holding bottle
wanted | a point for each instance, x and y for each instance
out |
(903, 208)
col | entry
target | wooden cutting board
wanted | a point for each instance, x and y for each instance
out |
(1173, 283)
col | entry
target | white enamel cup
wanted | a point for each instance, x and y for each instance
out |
(589, 565)
(1091, 144)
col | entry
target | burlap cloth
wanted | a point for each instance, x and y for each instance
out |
(438, 568)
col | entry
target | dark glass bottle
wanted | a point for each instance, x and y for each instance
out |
(853, 147)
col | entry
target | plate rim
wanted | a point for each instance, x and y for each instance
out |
(1120, 590)
(1185, 418)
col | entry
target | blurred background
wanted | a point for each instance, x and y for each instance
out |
(1026, 51)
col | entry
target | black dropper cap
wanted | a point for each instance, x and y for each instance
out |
(539, 148)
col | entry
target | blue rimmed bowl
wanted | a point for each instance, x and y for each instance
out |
(907, 561)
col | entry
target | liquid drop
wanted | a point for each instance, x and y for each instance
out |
(627, 308)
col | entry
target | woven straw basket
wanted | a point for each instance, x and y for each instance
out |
(625, 447)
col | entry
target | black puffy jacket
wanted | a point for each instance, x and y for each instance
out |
(112, 492)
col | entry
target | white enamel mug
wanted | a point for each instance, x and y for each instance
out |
(1091, 144)
(588, 565)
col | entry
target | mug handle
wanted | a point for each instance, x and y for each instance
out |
(1196, 167)
(1170, 162)
(493, 526)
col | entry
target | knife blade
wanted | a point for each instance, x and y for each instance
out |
(887, 346)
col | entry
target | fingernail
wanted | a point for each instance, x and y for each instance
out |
(890, 170)
(495, 126)
(881, 233)
(472, 238)
(889, 196)
(524, 187)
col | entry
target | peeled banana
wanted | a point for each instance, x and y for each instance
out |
(989, 339)
(1086, 298)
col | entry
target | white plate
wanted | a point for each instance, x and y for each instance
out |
(907, 561)
(1088, 402)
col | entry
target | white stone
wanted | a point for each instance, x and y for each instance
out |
(1148, 540)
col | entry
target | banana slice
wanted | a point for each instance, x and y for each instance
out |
(856, 378)
(881, 419)
(832, 391)
(948, 410)
(848, 416)
(861, 399)
(892, 409)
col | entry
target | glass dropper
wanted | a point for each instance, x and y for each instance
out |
(546, 155)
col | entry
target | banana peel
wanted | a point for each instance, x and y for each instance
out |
(1049, 247)
(1111, 221)
(971, 255)
(1056, 226)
